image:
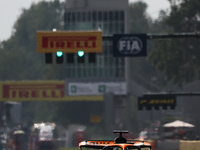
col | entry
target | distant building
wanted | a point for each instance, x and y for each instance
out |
(110, 16)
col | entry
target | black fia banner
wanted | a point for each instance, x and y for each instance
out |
(157, 101)
(129, 45)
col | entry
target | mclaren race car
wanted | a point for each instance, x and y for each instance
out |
(119, 143)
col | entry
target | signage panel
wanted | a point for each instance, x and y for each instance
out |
(69, 42)
(129, 45)
(39, 91)
(95, 118)
(97, 88)
(157, 101)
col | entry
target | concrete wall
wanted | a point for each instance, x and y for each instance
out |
(168, 145)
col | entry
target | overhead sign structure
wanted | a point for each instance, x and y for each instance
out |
(69, 42)
(157, 101)
(129, 45)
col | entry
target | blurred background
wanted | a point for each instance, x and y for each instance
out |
(55, 101)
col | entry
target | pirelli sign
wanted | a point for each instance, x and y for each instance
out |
(69, 41)
(157, 102)
(39, 91)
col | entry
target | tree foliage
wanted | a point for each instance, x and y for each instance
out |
(141, 70)
(18, 59)
(179, 59)
(138, 18)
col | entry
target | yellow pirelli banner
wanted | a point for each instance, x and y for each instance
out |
(39, 91)
(69, 41)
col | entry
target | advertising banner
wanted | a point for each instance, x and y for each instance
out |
(156, 101)
(129, 45)
(97, 88)
(38, 91)
(69, 42)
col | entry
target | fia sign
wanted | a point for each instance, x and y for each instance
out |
(129, 45)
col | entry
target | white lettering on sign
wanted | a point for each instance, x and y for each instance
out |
(129, 45)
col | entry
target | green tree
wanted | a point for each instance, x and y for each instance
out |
(179, 59)
(138, 18)
(141, 70)
(19, 60)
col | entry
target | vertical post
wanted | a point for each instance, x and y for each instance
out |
(109, 114)
(128, 108)
(128, 81)
(127, 73)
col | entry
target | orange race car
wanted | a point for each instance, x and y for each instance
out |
(119, 143)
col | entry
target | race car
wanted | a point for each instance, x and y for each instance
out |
(119, 143)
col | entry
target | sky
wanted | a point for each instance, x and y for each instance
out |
(10, 10)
